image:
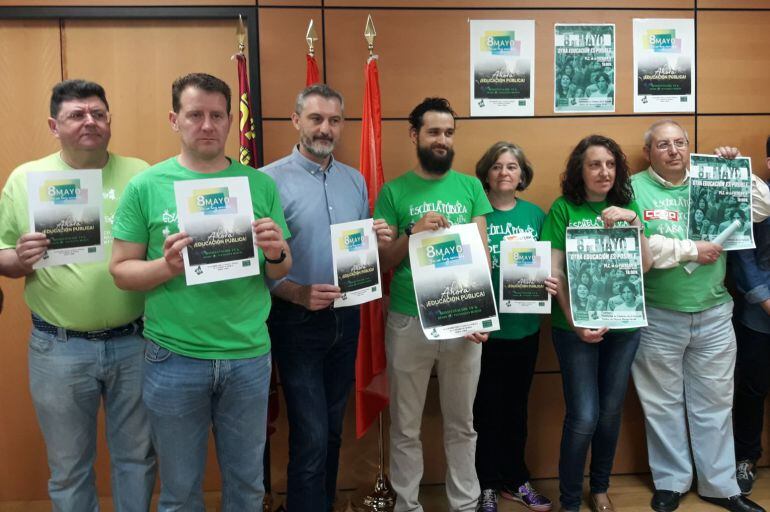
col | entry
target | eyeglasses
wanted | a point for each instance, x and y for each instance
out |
(665, 145)
(79, 116)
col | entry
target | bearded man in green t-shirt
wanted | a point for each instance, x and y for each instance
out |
(429, 197)
(86, 345)
(683, 370)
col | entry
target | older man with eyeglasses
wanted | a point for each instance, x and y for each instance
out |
(683, 370)
(86, 344)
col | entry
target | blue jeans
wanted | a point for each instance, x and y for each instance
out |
(594, 379)
(68, 379)
(185, 398)
(316, 353)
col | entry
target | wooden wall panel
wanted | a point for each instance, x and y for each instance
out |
(733, 4)
(137, 60)
(747, 133)
(733, 71)
(289, 3)
(29, 66)
(415, 62)
(121, 3)
(517, 4)
(282, 50)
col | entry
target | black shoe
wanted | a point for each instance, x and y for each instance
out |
(665, 501)
(735, 503)
(745, 473)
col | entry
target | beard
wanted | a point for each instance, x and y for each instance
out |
(317, 147)
(433, 163)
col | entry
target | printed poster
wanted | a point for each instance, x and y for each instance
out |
(502, 68)
(67, 207)
(524, 266)
(584, 68)
(217, 214)
(720, 193)
(356, 262)
(452, 283)
(604, 272)
(664, 64)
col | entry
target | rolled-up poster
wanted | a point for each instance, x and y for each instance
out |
(719, 239)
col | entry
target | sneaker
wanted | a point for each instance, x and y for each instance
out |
(527, 496)
(487, 501)
(745, 473)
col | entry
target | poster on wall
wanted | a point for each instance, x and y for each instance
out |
(356, 262)
(584, 68)
(664, 65)
(604, 272)
(217, 214)
(452, 282)
(67, 207)
(524, 266)
(502, 67)
(720, 195)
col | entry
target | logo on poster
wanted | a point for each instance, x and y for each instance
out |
(444, 251)
(524, 258)
(353, 240)
(662, 41)
(212, 201)
(63, 192)
(500, 42)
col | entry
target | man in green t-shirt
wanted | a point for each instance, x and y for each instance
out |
(207, 361)
(429, 197)
(683, 370)
(86, 344)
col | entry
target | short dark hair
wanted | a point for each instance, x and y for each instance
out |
(767, 148)
(429, 105)
(572, 184)
(68, 90)
(491, 155)
(321, 90)
(202, 81)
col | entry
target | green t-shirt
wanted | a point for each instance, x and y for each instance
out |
(665, 213)
(564, 214)
(83, 296)
(222, 320)
(525, 220)
(407, 199)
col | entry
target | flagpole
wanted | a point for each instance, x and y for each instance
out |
(382, 498)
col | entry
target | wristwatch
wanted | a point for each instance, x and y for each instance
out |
(278, 260)
(408, 230)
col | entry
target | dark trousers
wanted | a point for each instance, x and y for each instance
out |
(752, 382)
(594, 380)
(315, 352)
(500, 411)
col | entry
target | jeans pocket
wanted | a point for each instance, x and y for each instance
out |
(154, 353)
(397, 321)
(41, 342)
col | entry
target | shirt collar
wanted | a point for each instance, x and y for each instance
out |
(665, 183)
(307, 164)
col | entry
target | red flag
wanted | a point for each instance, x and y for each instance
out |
(248, 156)
(312, 76)
(248, 152)
(371, 379)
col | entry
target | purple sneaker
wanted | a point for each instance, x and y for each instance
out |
(527, 496)
(487, 501)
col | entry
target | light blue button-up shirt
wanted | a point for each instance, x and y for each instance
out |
(313, 199)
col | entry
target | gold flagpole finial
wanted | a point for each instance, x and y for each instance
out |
(241, 33)
(311, 36)
(370, 33)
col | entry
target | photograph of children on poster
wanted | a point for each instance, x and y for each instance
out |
(604, 273)
(524, 266)
(67, 207)
(356, 262)
(217, 214)
(502, 67)
(584, 68)
(452, 283)
(664, 64)
(720, 193)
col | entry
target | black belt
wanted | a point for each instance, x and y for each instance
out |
(102, 335)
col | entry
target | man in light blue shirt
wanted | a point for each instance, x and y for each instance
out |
(314, 344)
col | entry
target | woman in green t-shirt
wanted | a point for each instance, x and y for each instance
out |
(595, 363)
(508, 357)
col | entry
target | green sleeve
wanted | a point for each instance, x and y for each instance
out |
(10, 229)
(385, 207)
(555, 225)
(131, 224)
(634, 207)
(481, 205)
